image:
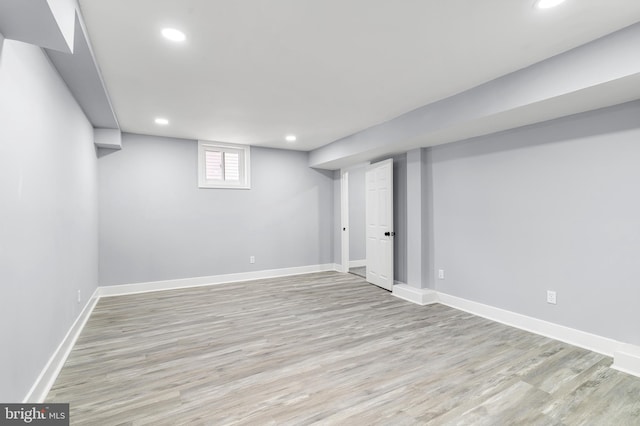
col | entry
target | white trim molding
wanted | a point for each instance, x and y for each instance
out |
(572, 336)
(345, 229)
(626, 356)
(627, 359)
(123, 289)
(49, 373)
(421, 296)
(357, 263)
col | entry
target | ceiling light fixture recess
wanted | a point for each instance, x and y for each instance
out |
(290, 138)
(173, 34)
(548, 4)
(161, 121)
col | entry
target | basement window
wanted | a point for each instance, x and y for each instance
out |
(223, 165)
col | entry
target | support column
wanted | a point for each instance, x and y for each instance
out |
(414, 218)
(419, 287)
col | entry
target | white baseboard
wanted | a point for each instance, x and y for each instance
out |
(49, 373)
(123, 289)
(572, 336)
(626, 356)
(421, 296)
(627, 359)
(357, 263)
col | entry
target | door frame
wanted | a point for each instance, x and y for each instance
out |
(344, 219)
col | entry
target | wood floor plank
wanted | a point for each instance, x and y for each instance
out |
(326, 348)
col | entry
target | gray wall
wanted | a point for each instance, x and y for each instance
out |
(400, 217)
(357, 214)
(156, 224)
(428, 241)
(337, 218)
(554, 206)
(48, 214)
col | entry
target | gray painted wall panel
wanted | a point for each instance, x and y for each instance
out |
(428, 248)
(415, 215)
(48, 214)
(553, 206)
(357, 216)
(400, 217)
(156, 224)
(337, 221)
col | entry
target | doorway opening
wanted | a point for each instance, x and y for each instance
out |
(367, 222)
(353, 220)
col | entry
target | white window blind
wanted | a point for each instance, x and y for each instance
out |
(231, 166)
(223, 165)
(213, 161)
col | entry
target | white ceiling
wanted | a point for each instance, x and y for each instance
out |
(253, 71)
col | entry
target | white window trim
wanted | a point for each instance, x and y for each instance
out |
(245, 178)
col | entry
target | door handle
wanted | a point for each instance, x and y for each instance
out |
(389, 234)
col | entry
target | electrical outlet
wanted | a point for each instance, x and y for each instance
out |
(551, 297)
(79, 297)
(252, 259)
(441, 274)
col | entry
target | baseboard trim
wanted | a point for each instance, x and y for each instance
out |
(145, 287)
(627, 359)
(49, 373)
(569, 335)
(357, 263)
(421, 296)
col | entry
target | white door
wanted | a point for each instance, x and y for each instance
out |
(379, 217)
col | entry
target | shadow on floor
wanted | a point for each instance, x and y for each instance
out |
(360, 271)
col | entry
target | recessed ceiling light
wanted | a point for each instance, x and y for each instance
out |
(173, 34)
(291, 138)
(547, 4)
(162, 121)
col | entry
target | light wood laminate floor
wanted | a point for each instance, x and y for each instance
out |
(326, 348)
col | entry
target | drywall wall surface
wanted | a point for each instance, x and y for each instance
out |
(428, 249)
(337, 215)
(156, 224)
(553, 206)
(400, 217)
(357, 214)
(415, 218)
(48, 215)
